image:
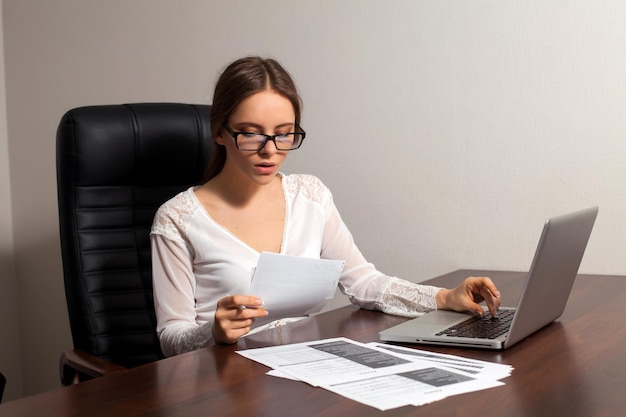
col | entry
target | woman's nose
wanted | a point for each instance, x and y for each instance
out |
(269, 148)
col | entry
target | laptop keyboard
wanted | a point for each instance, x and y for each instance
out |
(485, 327)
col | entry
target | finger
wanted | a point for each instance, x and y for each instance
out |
(234, 309)
(238, 324)
(493, 304)
(229, 334)
(479, 290)
(493, 290)
(244, 312)
(492, 297)
(470, 300)
(477, 309)
(243, 302)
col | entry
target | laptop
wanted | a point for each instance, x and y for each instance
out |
(544, 295)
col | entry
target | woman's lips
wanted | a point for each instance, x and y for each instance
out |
(265, 169)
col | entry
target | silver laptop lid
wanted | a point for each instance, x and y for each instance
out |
(552, 272)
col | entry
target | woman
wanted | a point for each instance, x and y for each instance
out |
(207, 239)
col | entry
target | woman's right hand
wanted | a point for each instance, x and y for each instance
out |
(234, 316)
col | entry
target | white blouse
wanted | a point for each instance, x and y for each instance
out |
(196, 262)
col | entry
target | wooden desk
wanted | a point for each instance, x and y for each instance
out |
(573, 367)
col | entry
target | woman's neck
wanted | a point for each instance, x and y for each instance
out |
(239, 192)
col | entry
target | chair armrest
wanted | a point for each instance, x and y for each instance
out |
(77, 366)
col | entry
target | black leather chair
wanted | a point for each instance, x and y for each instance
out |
(3, 382)
(116, 164)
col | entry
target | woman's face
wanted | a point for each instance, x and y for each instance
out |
(265, 112)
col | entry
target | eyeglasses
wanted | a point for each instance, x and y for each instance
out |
(253, 141)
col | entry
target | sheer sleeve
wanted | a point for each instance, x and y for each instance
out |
(363, 283)
(174, 301)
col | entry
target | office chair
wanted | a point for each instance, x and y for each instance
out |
(116, 164)
(3, 382)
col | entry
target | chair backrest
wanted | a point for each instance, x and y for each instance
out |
(3, 382)
(116, 164)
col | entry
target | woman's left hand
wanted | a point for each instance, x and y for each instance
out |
(467, 296)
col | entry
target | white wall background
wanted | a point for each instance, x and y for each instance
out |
(447, 129)
(10, 360)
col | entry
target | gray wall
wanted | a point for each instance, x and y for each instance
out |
(10, 359)
(448, 130)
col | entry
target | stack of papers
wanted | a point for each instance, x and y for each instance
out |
(379, 375)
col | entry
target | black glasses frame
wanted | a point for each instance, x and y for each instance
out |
(267, 138)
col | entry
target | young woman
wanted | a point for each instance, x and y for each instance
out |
(207, 239)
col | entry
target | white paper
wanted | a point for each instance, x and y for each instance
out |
(369, 374)
(328, 361)
(293, 286)
(418, 387)
(474, 367)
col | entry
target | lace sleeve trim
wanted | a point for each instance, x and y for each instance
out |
(307, 185)
(193, 338)
(403, 298)
(171, 219)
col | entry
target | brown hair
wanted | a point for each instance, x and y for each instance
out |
(240, 80)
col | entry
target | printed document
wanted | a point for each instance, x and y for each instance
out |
(375, 376)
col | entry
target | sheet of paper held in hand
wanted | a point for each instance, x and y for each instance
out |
(294, 286)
